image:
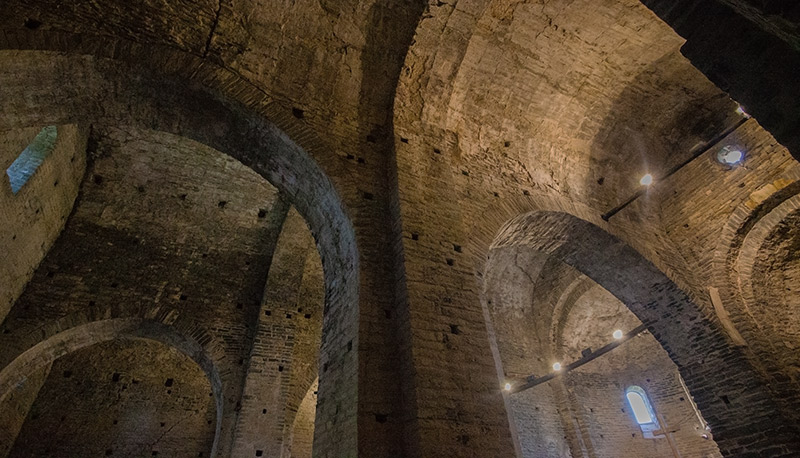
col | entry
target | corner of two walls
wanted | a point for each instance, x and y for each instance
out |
(33, 218)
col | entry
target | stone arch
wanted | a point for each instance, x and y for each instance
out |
(301, 428)
(483, 235)
(741, 238)
(749, 314)
(169, 62)
(748, 224)
(711, 367)
(89, 89)
(495, 217)
(754, 239)
(566, 302)
(564, 315)
(78, 331)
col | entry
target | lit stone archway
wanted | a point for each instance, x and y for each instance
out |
(715, 371)
(48, 88)
(544, 311)
(753, 288)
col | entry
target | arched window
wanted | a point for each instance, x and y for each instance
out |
(643, 411)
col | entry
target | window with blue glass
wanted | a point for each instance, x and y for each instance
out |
(25, 165)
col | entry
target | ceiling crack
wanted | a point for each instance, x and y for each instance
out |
(213, 29)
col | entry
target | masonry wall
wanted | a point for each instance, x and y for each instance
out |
(723, 241)
(121, 398)
(543, 312)
(282, 364)
(302, 396)
(511, 122)
(597, 389)
(34, 216)
(537, 422)
(350, 289)
(161, 222)
(775, 283)
(302, 429)
(501, 105)
(15, 409)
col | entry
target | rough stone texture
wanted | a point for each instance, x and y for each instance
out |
(597, 389)
(142, 235)
(301, 440)
(121, 398)
(545, 312)
(282, 365)
(776, 279)
(406, 136)
(15, 408)
(752, 53)
(260, 144)
(33, 218)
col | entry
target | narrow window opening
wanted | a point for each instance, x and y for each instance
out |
(643, 411)
(31, 158)
(640, 410)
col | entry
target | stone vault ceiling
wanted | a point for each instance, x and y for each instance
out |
(436, 123)
(588, 95)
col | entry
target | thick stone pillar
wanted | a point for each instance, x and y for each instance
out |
(283, 349)
(455, 406)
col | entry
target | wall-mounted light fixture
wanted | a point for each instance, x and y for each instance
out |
(730, 155)
(740, 111)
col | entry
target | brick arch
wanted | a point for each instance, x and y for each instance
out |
(185, 100)
(741, 240)
(727, 390)
(494, 217)
(82, 330)
(298, 431)
(753, 241)
(483, 233)
(748, 224)
(564, 306)
(170, 62)
(558, 300)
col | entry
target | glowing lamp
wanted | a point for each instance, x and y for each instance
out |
(730, 155)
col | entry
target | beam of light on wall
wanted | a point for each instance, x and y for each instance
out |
(31, 158)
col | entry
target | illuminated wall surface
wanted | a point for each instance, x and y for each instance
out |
(399, 229)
